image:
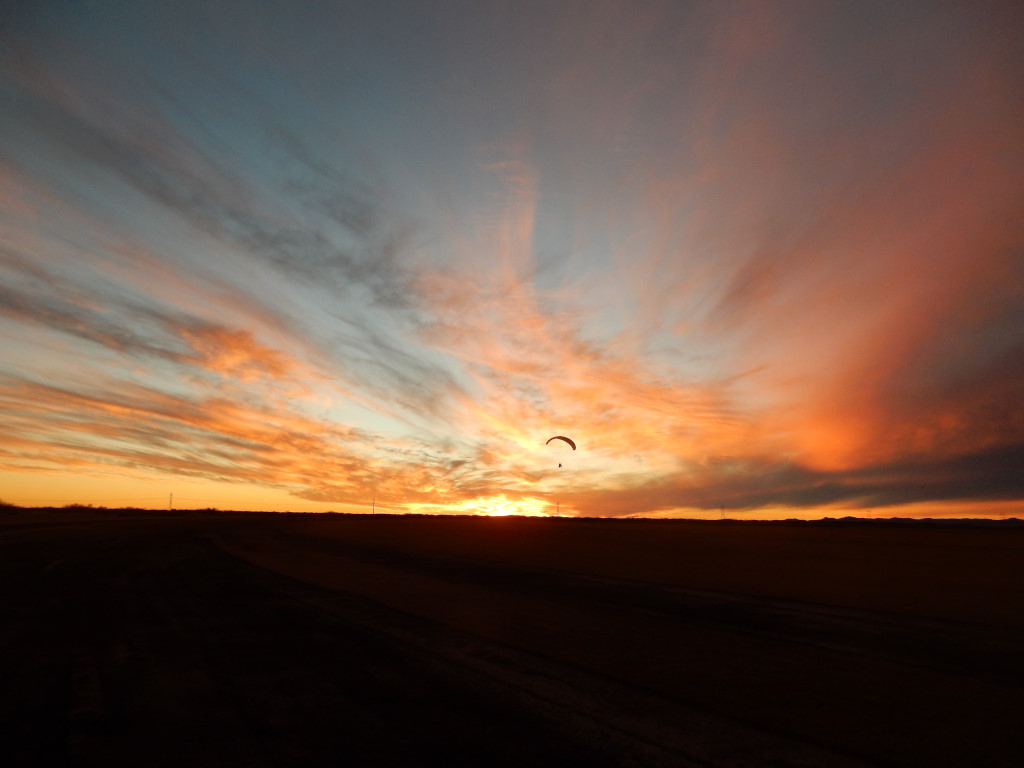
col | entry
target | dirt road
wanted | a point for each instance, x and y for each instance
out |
(273, 641)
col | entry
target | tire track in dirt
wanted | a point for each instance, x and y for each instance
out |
(842, 681)
(637, 723)
(162, 650)
(966, 649)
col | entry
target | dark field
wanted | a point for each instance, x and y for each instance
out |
(273, 640)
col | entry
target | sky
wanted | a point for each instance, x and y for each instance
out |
(757, 259)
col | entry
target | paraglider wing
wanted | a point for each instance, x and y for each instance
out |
(562, 437)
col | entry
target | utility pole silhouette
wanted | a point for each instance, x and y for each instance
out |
(170, 503)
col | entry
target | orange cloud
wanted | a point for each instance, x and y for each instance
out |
(235, 352)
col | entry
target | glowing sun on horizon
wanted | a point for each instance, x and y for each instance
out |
(502, 506)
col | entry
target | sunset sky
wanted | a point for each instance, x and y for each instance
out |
(765, 256)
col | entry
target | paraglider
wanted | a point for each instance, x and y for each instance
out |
(562, 437)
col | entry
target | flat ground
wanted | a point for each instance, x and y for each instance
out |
(275, 640)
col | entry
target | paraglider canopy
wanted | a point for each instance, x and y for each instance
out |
(562, 437)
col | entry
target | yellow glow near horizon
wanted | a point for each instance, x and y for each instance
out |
(500, 506)
(490, 506)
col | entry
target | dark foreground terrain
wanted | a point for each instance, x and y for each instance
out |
(272, 640)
